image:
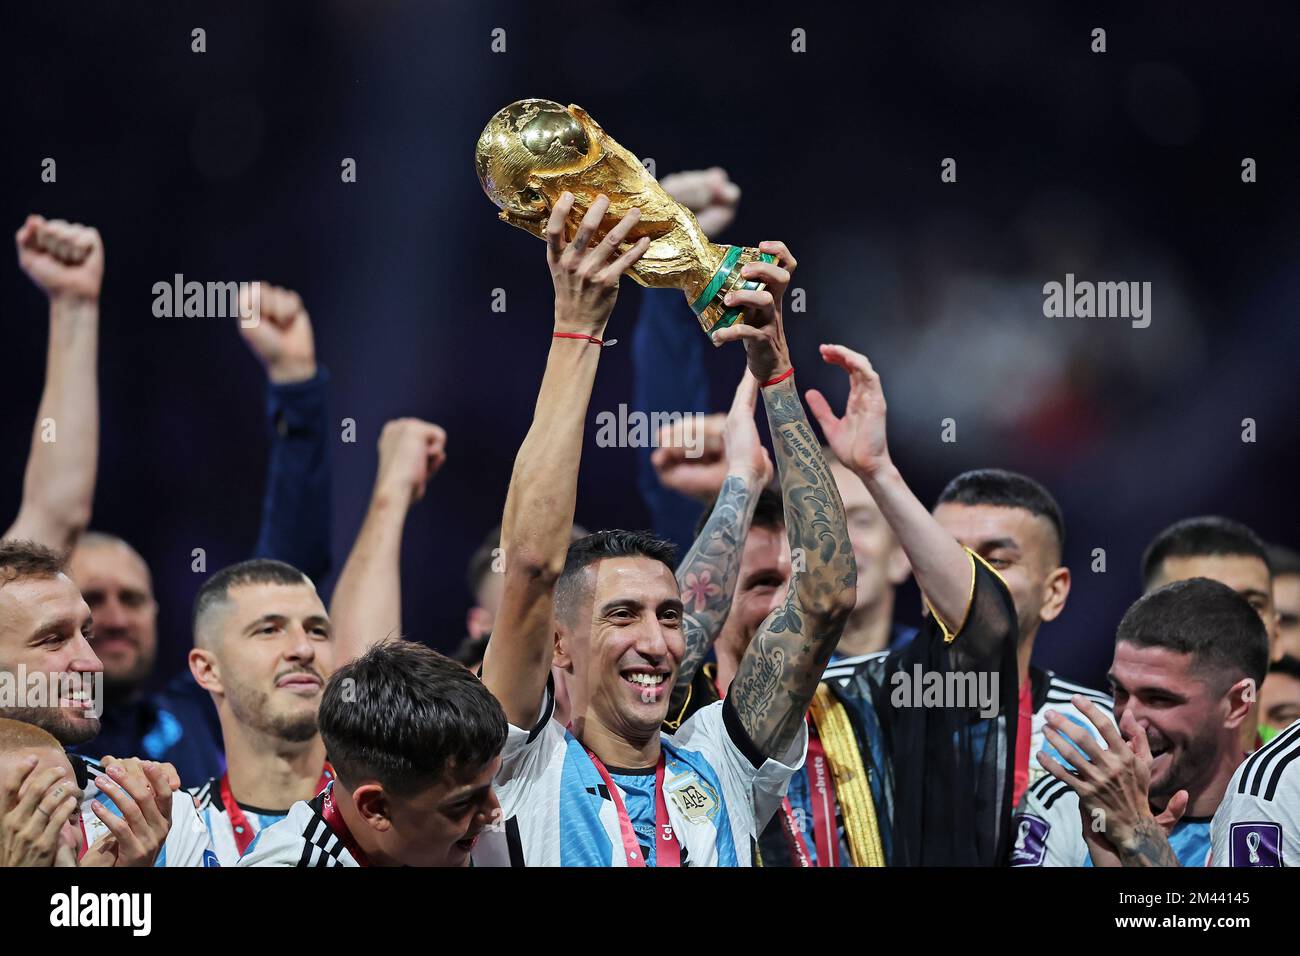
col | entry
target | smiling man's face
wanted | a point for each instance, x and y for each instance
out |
(1184, 711)
(274, 651)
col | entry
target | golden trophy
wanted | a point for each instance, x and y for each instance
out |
(533, 151)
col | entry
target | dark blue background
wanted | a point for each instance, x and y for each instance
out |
(225, 166)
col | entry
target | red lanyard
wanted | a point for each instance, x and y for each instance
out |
(239, 823)
(334, 820)
(667, 850)
(821, 793)
(821, 790)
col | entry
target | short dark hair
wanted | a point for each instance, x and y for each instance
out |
(216, 589)
(1203, 618)
(1288, 665)
(408, 717)
(1200, 537)
(1282, 561)
(28, 559)
(600, 545)
(769, 512)
(1006, 489)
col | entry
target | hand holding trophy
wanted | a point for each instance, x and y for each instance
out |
(534, 151)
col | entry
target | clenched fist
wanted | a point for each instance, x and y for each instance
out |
(281, 337)
(410, 453)
(65, 259)
(708, 193)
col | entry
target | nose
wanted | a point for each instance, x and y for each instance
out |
(84, 659)
(110, 615)
(300, 649)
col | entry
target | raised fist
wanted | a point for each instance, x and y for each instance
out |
(410, 453)
(709, 193)
(65, 259)
(279, 332)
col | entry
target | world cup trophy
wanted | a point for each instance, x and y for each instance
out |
(533, 151)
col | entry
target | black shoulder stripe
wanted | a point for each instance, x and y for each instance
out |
(1043, 784)
(1276, 777)
(1055, 794)
(514, 843)
(1257, 763)
(308, 838)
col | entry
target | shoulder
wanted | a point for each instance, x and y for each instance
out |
(1060, 691)
(1271, 774)
(207, 795)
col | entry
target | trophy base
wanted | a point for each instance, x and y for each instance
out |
(709, 308)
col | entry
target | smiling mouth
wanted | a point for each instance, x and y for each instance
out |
(647, 683)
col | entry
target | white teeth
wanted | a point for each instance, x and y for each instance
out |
(646, 680)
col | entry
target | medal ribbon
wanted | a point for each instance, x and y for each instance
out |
(239, 822)
(668, 851)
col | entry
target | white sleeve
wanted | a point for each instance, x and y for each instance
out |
(1046, 827)
(527, 751)
(188, 841)
(743, 772)
(1258, 821)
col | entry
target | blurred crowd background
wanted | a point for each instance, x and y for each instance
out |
(1120, 166)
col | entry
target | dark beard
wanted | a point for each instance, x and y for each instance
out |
(52, 720)
(250, 707)
(1188, 770)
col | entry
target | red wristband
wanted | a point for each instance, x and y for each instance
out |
(577, 335)
(779, 379)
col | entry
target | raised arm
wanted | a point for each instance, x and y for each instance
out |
(367, 604)
(942, 566)
(297, 516)
(540, 504)
(783, 664)
(707, 575)
(66, 261)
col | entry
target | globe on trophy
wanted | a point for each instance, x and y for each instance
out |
(533, 151)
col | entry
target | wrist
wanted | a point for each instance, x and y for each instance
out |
(287, 373)
(570, 324)
(72, 304)
(878, 472)
(391, 497)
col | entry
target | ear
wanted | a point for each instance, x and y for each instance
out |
(1055, 590)
(478, 622)
(206, 670)
(1240, 699)
(372, 804)
(897, 567)
(562, 658)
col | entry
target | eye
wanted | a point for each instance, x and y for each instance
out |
(999, 563)
(530, 196)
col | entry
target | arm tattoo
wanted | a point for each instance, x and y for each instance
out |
(1149, 847)
(708, 573)
(784, 663)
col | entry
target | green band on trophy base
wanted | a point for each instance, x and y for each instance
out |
(749, 285)
(719, 277)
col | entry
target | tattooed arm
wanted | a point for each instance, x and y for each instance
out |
(708, 573)
(783, 664)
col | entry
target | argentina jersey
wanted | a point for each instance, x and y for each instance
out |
(1258, 822)
(225, 838)
(1047, 830)
(558, 810)
(188, 842)
(1053, 693)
